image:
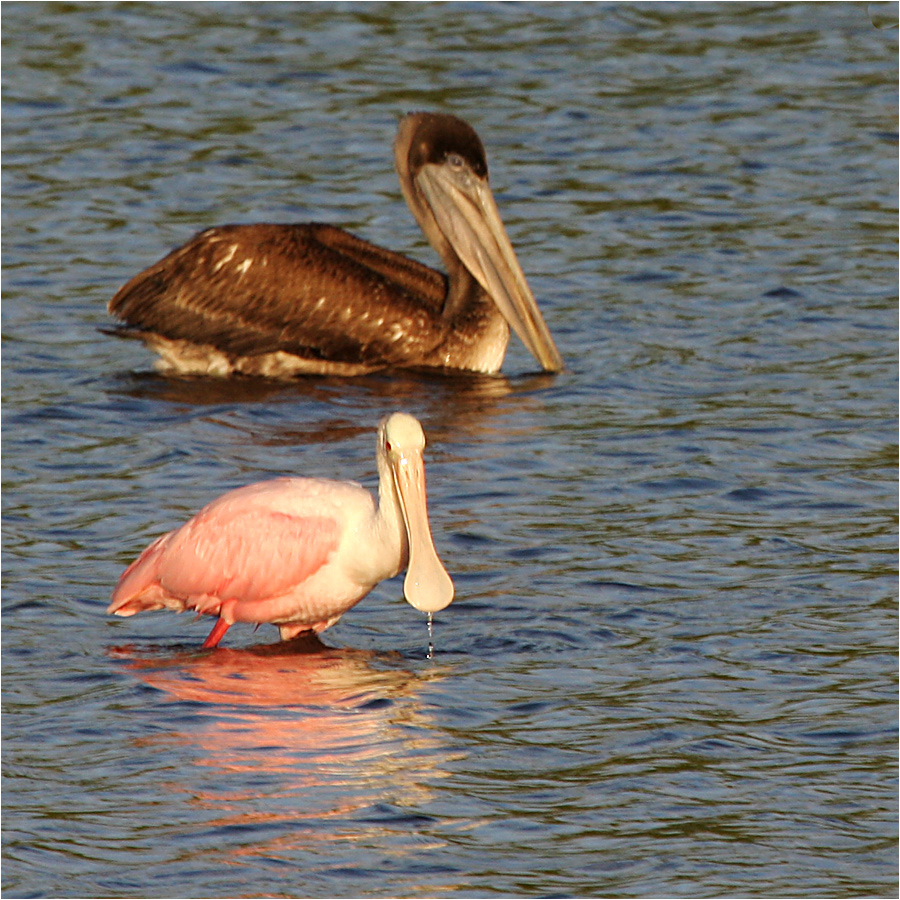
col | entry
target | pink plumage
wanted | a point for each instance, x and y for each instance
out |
(297, 552)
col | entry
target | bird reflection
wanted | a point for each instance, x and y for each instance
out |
(451, 405)
(286, 737)
(398, 386)
(300, 672)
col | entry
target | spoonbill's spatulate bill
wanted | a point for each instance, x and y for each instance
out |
(283, 299)
(298, 552)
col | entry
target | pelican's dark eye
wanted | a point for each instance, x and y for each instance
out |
(455, 161)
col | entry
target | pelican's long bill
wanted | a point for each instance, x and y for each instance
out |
(467, 214)
(427, 586)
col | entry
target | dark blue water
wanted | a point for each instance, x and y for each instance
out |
(671, 666)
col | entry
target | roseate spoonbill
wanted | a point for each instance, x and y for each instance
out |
(281, 299)
(298, 552)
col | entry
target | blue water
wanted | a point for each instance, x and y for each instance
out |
(671, 668)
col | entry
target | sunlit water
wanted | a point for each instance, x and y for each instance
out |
(670, 669)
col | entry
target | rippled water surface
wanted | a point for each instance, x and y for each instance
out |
(671, 667)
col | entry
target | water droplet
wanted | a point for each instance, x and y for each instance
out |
(883, 15)
(431, 635)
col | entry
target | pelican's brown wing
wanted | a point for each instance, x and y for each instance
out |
(314, 291)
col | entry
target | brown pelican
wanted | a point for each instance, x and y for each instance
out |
(284, 299)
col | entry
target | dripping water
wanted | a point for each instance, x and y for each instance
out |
(431, 635)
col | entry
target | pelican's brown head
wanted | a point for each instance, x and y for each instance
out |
(443, 174)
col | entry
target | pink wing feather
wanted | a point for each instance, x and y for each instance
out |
(237, 547)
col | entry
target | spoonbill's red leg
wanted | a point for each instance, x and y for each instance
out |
(216, 634)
